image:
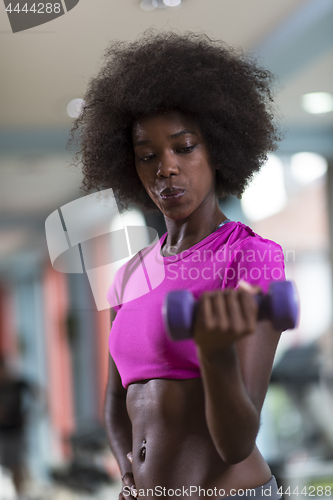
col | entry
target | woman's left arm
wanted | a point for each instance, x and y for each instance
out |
(236, 355)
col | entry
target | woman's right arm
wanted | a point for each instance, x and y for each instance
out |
(118, 424)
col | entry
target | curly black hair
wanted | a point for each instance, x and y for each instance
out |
(228, 94)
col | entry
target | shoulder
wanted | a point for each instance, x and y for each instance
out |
(255, 259)
(245, 239)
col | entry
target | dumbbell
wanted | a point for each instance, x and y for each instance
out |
(280, 306)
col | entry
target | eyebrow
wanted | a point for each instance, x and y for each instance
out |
(173, 136)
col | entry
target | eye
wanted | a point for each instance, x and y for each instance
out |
(147, 158)
(187, 149)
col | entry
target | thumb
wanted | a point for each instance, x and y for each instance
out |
(244, 285)
(128, 480)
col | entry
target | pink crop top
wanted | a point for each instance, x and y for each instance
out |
(138, 341)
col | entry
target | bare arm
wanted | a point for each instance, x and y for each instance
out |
(236, 356)
(118, 424)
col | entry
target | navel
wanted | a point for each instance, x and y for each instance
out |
(143, 451)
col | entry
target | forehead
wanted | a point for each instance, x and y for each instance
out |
(169, 121)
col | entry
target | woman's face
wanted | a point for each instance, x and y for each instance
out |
(172, 161)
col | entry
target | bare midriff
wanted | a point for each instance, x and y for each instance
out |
(172, 447)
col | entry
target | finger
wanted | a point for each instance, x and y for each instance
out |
(219, 309)
(126, 495)
(128, 479)
(249, 308)
(244, 285)
(235, 312)
(134, 492)
(205, 311)
(130, 456)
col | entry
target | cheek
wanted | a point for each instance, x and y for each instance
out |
(141, 176)
(210, 173)
(205, 175)
(145, 180)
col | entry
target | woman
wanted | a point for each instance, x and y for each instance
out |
(173, 122)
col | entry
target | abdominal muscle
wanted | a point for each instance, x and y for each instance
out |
(172, 447)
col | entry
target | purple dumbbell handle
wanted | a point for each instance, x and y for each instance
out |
(279, 305)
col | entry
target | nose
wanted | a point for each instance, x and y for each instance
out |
(168, 165)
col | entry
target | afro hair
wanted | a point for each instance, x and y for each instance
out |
(227, 93)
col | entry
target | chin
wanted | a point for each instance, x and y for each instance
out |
(176, 216)
(175, 213)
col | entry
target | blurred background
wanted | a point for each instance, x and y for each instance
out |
(53, 340)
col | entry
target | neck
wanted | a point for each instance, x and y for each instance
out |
(183, 234)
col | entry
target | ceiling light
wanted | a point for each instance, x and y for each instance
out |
(317, 102)
(159, 4)
(172, 3)
(307, 167)
(266, 195)
(147, 5)
(75, 107)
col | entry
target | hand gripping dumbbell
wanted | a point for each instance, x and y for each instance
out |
(280, 306)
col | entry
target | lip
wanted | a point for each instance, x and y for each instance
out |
(172, 192)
